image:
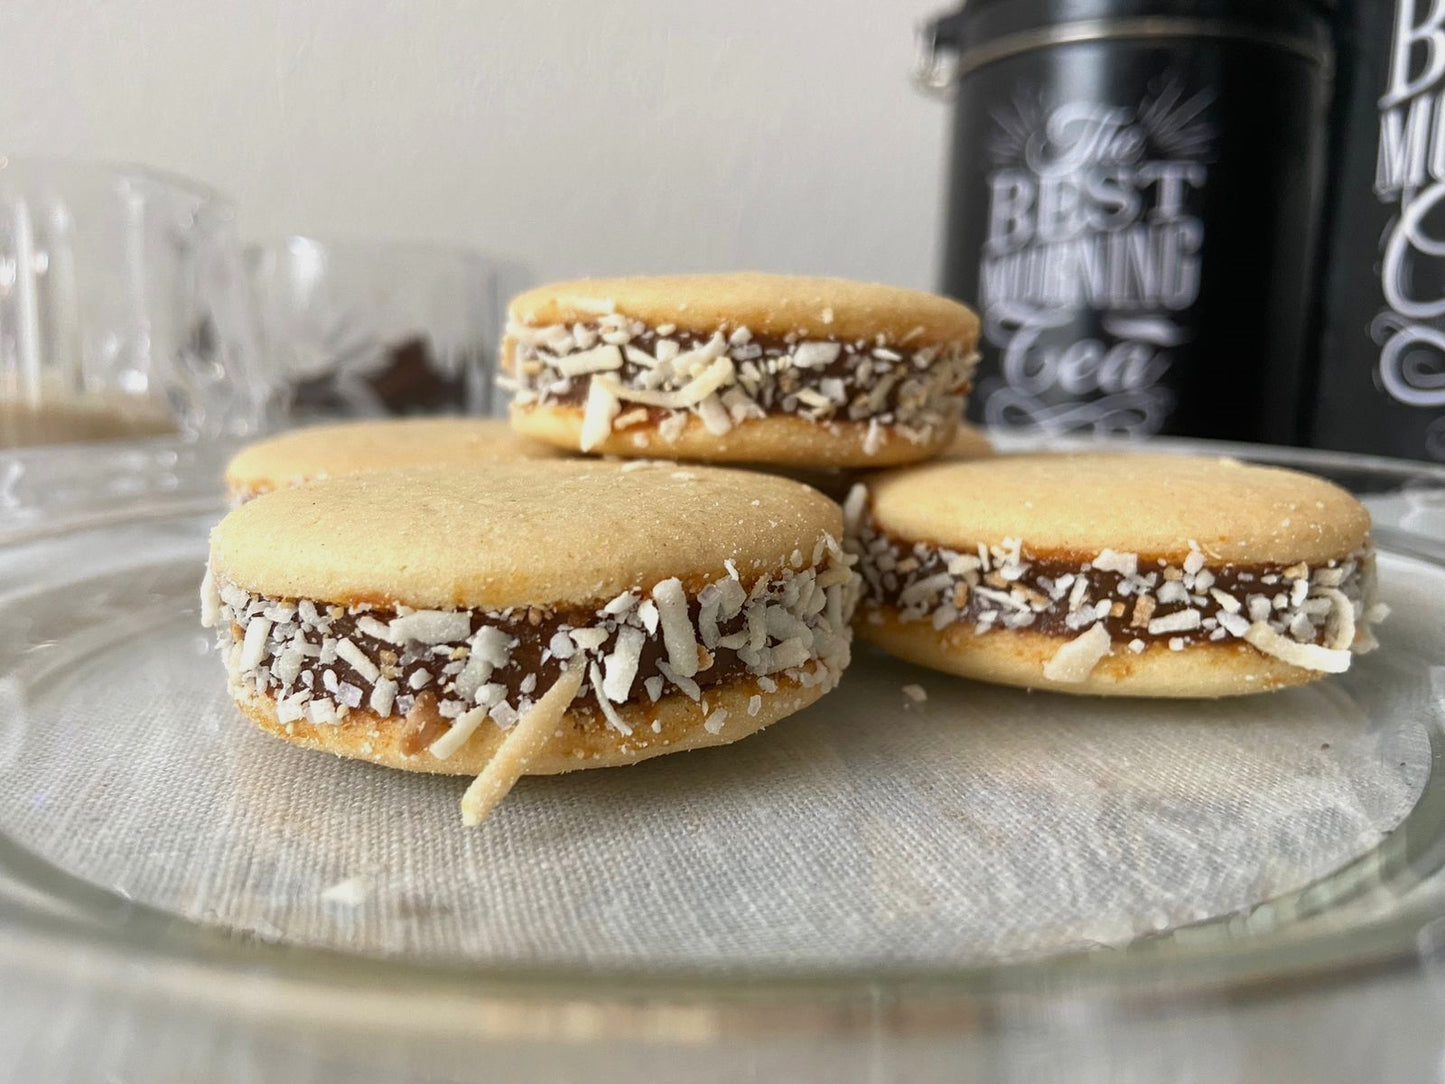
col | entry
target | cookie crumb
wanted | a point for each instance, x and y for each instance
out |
(351, 892)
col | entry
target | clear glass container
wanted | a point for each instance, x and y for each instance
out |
(376, 328)
(124, 308)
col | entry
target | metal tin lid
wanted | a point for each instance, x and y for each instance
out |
(983, 31)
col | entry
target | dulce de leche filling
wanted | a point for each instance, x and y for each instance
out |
(446, 671)
(625, 374)
(1310, 616)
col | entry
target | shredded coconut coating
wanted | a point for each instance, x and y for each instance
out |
(726, 378)
(795, 622)
(527, 739)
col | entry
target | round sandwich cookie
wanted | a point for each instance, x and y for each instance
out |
(528, 618)
(740, 368)
(970, 442)
(1115, 574)
(321, 451)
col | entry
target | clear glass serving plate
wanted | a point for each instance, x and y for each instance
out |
(872, 870)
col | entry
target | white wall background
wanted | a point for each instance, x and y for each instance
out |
(583, 136)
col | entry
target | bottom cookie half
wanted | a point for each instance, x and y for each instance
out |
(777, 439)
(585, 739)
(1019, 656)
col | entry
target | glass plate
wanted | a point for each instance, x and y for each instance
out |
(986, 845)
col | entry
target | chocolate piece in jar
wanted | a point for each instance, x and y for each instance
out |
(1147, 575)
(529, 618)
(741, 368)
(403, 377)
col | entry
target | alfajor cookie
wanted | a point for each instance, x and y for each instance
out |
(970, 442)
(529, 617)
(1127, 575)
(321, 451)
(741, 368)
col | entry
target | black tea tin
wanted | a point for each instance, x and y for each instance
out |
(1134, 195)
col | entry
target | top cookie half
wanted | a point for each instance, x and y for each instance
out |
(1155, 505)
(743, 367)
(522, 534)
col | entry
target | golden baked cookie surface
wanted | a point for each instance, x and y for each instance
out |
(1145, 504)
(767, 304)
(969, 442)
(515, 534)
